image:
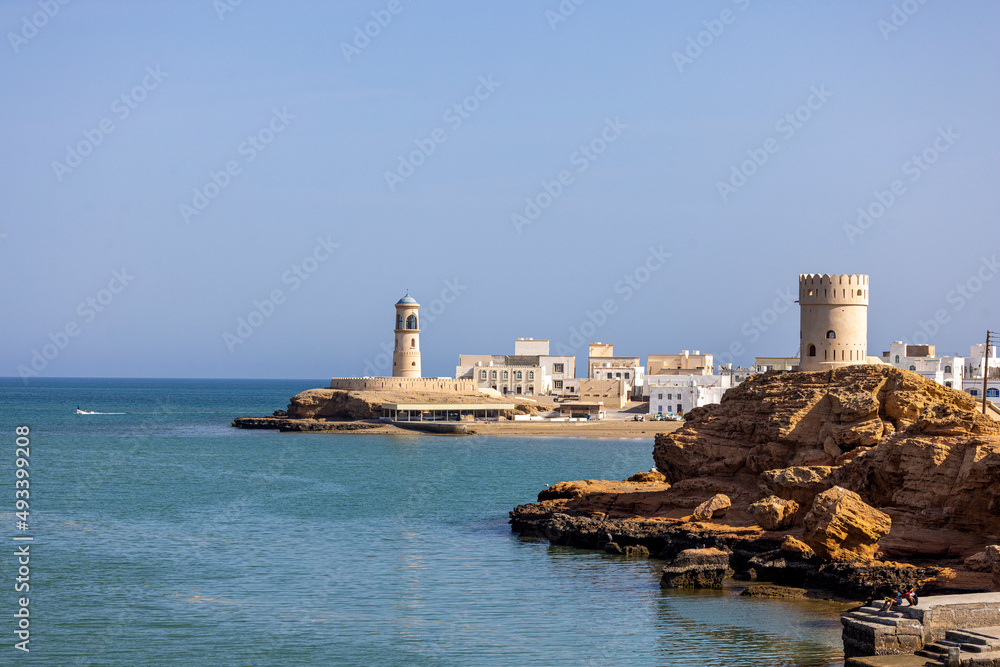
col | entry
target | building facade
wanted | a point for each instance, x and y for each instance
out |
(685, 363)
(603, 365)
(677, 394)
(833, 313)
(406, 353)
(921, 359)
(531, 370)
(765, 364)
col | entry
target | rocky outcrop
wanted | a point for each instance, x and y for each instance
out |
(696, 568)
(919, 451)
(848, 463)
(713, 508)
(774, 513)
(993, 560)
(841, 527)
(353, 405)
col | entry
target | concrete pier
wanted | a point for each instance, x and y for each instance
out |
(939, 624)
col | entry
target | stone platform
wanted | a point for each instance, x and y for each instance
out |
(970, 623)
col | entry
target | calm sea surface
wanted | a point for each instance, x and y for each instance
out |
(164, 536)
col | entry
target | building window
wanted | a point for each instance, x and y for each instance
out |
(493, 375)
(947, 369)
(626, 376)
(413, 342)
(812, 350)
(947, 384)
(897, 358)
(993, 392)
(482, 375)
(609, 376)
(831, 334)
(531, 375)
(399, 321)
(618, 375)
(557, 384)
(411, 322)
(660, 397)
(913, 368)
(557, 368)
(505, 375)
(974, 392)
(518, 375)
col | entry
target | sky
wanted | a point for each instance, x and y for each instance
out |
(243, 189)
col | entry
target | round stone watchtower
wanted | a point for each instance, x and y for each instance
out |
(834, 321)
(406, 354)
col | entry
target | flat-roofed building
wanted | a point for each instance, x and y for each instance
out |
(765, 364)
(685, 363)
(677, 394)
(603, 365)
(531, 370)
(922, 359)
(613, 393)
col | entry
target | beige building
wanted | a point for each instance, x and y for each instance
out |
(833, 314)
(765, 364)
(685, 363)
(612, 393)
(531, 370)
(603, 365)
(406, 353)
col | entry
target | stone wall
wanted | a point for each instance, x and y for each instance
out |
(404, 384)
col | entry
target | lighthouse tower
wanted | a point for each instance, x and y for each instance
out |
(834, 321)
(406, 354)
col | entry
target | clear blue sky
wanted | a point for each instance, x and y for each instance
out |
(667, 120)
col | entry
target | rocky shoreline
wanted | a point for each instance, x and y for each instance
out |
(858, 481)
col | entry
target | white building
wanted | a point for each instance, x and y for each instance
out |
(974, 387)
(531, 370)
(974, 364)
(558, 367)
(973, 382)
(677, 394)
(921, 359)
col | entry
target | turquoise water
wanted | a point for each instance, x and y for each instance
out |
(164, 536)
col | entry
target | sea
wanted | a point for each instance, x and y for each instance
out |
(161, 535)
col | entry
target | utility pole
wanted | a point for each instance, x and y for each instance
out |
(986, 368)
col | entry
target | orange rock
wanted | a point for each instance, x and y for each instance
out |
(774, 513)
(713, 508)
(840, 526)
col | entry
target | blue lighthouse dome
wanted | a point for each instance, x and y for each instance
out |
(407, 301)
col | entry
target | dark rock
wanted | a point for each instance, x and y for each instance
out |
(764, 591)
(697, 568)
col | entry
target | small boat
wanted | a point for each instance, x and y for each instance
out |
(84, 412)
